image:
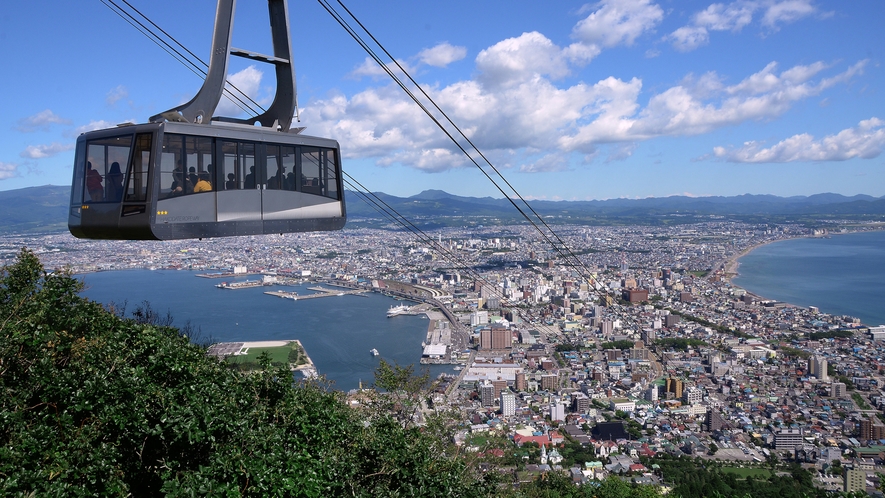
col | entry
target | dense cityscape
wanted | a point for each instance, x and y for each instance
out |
(632, 347)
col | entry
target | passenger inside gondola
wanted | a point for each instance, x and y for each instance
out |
(93, 183)
(231, 183)
(203, 184)
(114, 183)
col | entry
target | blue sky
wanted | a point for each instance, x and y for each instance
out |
(570, 100)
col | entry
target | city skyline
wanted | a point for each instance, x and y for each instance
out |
(577, 101)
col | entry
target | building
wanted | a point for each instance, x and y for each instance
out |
(635, 295)
(855, 480)
(714, 421)
(487, 394)
(622, 404)
(580, 403)
(508, 403)
(817, 367)
(787, 439)
(871, 429)
(496, 337)
(837, 389)
(674, 386)
(557, 411)
(549, 382)
(520, 382)
(692, 396)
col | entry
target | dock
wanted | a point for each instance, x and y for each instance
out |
(321, 292)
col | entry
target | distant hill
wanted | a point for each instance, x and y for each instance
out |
(45, 209)
(35, 209)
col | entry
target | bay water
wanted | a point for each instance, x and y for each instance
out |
(337, 332)
(841, 275)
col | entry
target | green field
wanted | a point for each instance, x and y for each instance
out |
(747, 472)
(279, 355)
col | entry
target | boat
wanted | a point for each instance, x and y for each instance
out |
(458, 368)
(397, 310)
(374, 352)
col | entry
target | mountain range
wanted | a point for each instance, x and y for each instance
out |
(44, 209)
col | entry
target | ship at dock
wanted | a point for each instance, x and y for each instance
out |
(397, 310)
(240, 285)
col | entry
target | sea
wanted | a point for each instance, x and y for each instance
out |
(842, 274)
(337, 332)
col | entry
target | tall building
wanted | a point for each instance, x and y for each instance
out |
(787, 439)
(508, 403)
(871, 429)
(837, 389)
(675, 386)
(713, 420)
(817, 366)
(557, 411)
(549, 382)
(487, 394)
(520, 382)
(855, 480)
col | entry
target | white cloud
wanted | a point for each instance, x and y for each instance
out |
(546, 164)
(442, 55)
(530, 117)
(618, 22)
(248, 81)
(866, 141)
(787, 11)
(44, 151)
(516, 60)
(371, 69)
(734, 17)
(116, 94)
(8, 170)
(40, 121)
(94, 125)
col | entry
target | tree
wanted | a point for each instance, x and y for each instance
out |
(712, 449)
(403, 394)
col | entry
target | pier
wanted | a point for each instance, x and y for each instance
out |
(322, 292)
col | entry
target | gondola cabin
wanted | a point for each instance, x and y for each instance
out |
(172, 180)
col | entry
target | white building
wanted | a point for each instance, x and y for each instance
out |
(508, 404)
(623, 404)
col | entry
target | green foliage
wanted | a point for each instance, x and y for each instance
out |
(617, 345)
(831, 334)
(705, 478)
(680, 343)
(95, 404)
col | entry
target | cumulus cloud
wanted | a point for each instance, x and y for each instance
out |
(618, 22)
(116, 94)
(735, 16)
(529, 116)
(40, 121)
(44, 151)
(8, 170)
(515, 60)
(247, 81)
(866, 141)
(442, 55)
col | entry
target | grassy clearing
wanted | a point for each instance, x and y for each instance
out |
(290, 354)
(747, 472)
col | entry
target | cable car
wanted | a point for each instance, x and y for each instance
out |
(183, 175)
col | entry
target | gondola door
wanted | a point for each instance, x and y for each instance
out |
(241, 181)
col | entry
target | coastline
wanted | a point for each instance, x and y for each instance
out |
(728, 269)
